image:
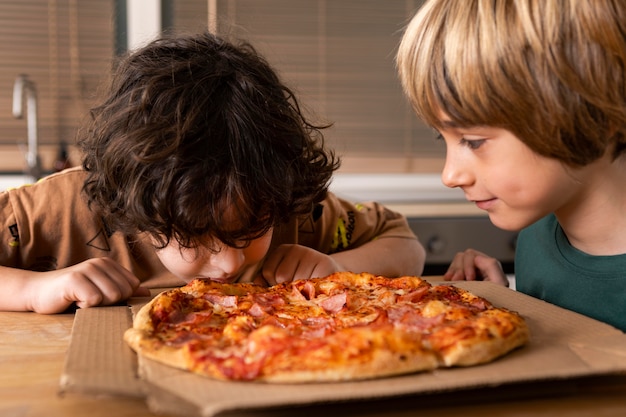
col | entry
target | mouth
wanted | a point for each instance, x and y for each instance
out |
(485, 204)
(224, 280)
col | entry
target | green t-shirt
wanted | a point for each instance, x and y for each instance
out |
(549, 268)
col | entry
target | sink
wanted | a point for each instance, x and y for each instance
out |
(14, 180)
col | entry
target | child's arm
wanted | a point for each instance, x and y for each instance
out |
(98, 281)
(363, 237)
(388, 256)
(472, 265)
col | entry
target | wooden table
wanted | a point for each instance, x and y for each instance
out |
(33, 349)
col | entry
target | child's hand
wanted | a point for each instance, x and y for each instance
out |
(290, 262)
(98, 281)
(472, 265)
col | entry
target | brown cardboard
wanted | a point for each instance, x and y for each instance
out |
(98, 360)
(563, 345)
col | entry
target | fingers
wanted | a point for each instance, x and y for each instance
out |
(472, 265)
(282, 264)
(101, 281)
(260, 281)
(142, 292)
(469, 267)
(462, 267)
(273, 260)
(98, 281)
(290, 262)
(491, 270)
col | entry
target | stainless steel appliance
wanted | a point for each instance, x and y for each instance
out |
(443, 237)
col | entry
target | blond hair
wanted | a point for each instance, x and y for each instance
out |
(550, 71)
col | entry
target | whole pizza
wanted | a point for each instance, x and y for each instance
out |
(345, 326)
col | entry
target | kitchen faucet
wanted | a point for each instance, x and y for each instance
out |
(25, 87)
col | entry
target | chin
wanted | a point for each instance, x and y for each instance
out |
(511, 225)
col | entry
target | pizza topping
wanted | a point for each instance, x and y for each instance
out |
(269, 299)
(479, 304)
(222, 300)
(313, 329)
(335, 303)
(413, 296)
(344, 326)
(256, 310)
(307, 290)
(364, 316)
(297, 295)
(275, 321)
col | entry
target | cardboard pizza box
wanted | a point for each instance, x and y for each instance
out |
(564, 346)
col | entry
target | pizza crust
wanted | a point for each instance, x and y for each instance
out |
(140, 341)
(142, 320)
(384, 363)
(486, 347)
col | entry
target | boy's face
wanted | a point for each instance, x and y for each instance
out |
(504, 177)
(226, 265)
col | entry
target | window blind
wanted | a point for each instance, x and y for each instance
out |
(65, 48)
(338, 55)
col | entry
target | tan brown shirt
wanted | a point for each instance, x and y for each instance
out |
(47, 226)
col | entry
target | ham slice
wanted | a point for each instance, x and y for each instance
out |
(334, 303)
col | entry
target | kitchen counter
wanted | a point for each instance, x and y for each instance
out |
(414, 195)
(33, 350)
(431, 210)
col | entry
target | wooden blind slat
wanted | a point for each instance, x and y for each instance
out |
(36, 36)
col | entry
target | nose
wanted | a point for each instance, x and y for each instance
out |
(229, 260)
(455, 171)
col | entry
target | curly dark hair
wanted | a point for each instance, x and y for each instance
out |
(194, 126)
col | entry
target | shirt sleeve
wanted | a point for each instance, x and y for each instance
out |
(9, 237)
(335, 225)
(48, 225)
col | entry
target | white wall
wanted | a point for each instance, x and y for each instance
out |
(143, 21)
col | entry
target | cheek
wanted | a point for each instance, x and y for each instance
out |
(527, 177)
(258, 249)
(535, 191)
(175, 263)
